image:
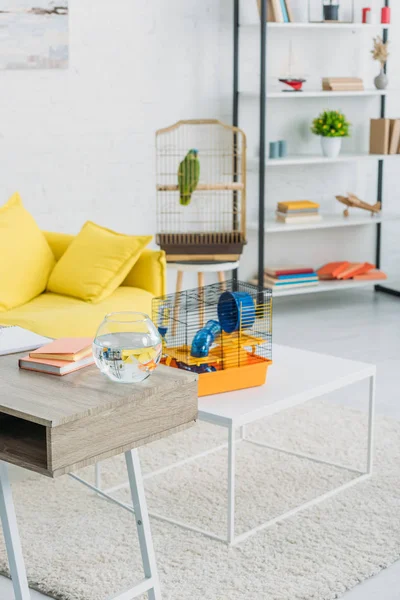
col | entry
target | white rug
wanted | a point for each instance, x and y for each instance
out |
(79, 547)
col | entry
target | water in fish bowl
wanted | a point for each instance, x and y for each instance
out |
(127, 357)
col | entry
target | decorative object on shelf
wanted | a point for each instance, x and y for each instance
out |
(233, 349)
(366, 12)
(331, 10)
(342, 84)
(385, 15)
(274, 149)
(332, 126)
(283, 151)
(201, 215)
(380, 53)
(352, 201)
(285, 278)
(127, 347)
(294, 83)
(278, 11)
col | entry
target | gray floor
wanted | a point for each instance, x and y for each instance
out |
(358, 325)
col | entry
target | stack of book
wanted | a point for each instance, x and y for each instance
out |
(384, 136)
(290, 277)
(342, 84)
(298, 211)
(344, 270)
(278, 11)
(60, 357)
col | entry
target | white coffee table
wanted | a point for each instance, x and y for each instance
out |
(296, 376)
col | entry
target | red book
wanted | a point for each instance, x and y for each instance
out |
(332, 270)
(288, 271)
(355, 269)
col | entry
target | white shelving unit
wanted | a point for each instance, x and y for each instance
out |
(268, 224)
(328, 221)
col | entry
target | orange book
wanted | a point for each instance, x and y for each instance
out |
(54, 367)
(67, 349)
(332, 270)
(372, 275)
(355, 269)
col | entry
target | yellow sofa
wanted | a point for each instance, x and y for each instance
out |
(55, 316)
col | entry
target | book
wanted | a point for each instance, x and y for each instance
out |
(394, 136)
(296, 205)
(15, 339)
(291, 282)
(67, 349)
(270, 11)
(289, 11)
(343, 79)
(379, 136)
(298, 219)
(278, 13)
(355, 269)
(284, 11)
(299, 211)
(54, 367)
(290, 286)
(332, 270)
(373, 275)
(278, 271)
(294, 277)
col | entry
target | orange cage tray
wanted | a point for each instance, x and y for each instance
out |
(235, 378)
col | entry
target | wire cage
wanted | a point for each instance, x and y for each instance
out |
(201, 215)
(222, 331)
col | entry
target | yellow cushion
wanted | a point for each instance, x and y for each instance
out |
(95, 263)
(25, 256)
(61, 316)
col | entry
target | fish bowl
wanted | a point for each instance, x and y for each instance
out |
(127, 347)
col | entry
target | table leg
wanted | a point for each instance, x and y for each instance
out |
(143, 522)
(231, 483)
(371, 419)
(11, 536)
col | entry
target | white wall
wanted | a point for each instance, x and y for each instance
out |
(79, 144)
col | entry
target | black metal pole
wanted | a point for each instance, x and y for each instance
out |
(382, 288)
(263, 115)
(235, 112)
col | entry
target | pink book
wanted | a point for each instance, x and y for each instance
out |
(71, 349)
(54, 367)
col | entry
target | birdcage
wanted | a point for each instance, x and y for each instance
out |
(221, 331)
(201, 208)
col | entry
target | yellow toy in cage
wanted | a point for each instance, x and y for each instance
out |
(201, 190)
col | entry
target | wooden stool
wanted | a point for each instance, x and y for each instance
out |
(200, 268)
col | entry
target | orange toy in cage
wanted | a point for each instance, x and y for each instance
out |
(201, 190)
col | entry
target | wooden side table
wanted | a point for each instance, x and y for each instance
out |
(54, 425)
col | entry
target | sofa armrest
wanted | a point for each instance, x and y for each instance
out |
(149, 273)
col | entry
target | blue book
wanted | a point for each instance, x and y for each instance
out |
(284, 11)
(283, 283)
(298, 276)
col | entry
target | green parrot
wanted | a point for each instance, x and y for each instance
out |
(188, 176)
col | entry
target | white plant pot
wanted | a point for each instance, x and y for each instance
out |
(331, 146)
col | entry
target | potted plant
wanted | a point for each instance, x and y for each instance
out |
(332, 126)
(331, 10)
(380, 52)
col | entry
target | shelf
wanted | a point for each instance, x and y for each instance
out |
(304, 25)
(317, 159)
(324, 94)
(327, 286)
(173, 187)
(355, 219)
